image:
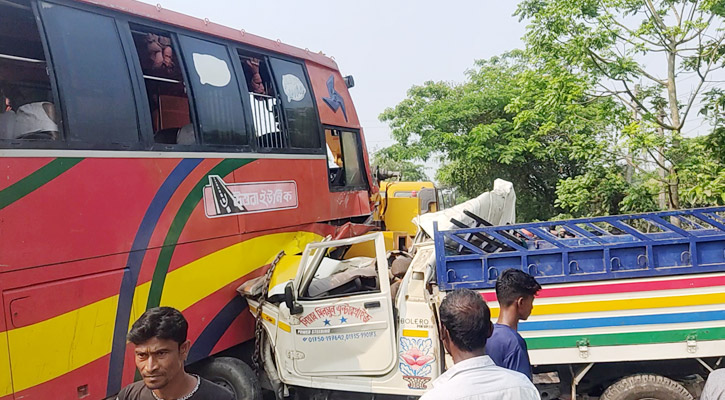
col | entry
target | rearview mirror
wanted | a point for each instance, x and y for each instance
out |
(289, 300)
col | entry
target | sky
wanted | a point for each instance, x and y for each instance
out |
(388, 46)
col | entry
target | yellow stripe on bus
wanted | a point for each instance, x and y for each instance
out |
(198, 279)
(6, 386)
(622, 304)
(53, 347)
(48, 349)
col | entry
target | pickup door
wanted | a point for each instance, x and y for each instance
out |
(346, 326)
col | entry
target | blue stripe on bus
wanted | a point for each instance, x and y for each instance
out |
(623, 321)
(133, 266)
(209, 337)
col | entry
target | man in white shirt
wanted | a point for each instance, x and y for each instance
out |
(465, 326)
(715, 386)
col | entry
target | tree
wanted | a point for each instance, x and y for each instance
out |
(531, 123)
(617, 42)
(409, 171)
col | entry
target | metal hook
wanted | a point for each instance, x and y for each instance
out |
(619, 263)
(642, 260)
(686, 258)
(448, 272)
(574, 263)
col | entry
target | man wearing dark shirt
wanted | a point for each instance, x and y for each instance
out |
(161, 347)
(515, 291)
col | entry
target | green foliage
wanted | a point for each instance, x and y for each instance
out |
(613, 41)
(596, 192)
(702, 173)
(409, 171)
(605, 191)
(528, 123)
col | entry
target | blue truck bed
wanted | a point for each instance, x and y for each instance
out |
(603, 248)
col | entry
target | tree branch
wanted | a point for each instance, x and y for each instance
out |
(631, 32)
(697, 33)
(637, 67)
(660, 26)
(677, 15)
(655, 16)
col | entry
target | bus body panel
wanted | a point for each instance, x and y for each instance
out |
(145, 244)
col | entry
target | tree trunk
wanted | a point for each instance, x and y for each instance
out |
(674, 181)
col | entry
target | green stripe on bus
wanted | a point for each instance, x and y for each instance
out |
(627, 338)
(43, 175)
(222, 169)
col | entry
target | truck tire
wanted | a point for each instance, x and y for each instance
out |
(234, 375)
(646, 386)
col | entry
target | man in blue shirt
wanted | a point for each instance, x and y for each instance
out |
(515, 291)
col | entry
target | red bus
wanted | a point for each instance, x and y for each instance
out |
(151, 158)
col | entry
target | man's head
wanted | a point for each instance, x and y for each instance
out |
(466, 321)
(516, 289)
(161, 347)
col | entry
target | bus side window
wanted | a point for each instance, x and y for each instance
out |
(344, 159)
(27, 111)
(93, 77)
(215, 91)
(165, 87)
(266, 112)
(297, 103)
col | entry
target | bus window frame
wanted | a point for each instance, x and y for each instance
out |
(361, 161)
(238, 64)
(144, 106)
(187, 64)
(251, 51)
(64, 143)
(308, 82)
(146, 136)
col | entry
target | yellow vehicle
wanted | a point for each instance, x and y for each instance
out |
(397, 204)
(400, 202)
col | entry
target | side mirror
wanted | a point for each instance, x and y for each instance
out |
(289, 300)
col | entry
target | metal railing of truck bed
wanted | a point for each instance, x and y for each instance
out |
(589, 249)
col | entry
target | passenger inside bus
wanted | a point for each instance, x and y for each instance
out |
(35, 120)
(265, 107)
(27, 110)
(251, 70)
(165, 87)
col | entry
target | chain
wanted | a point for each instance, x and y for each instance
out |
(258, 327)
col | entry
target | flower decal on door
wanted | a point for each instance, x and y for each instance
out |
(416, 359)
